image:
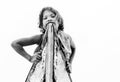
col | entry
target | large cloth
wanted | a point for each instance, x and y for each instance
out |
(39, 69)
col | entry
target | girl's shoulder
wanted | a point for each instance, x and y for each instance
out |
(35, 38)
(65, 35)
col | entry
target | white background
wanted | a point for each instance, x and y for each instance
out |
(94, 26)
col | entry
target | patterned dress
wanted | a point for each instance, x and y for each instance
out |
(38, 70)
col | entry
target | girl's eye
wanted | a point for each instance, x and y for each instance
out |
(44, 18)
(52, 15)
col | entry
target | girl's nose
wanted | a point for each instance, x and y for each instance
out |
(49, 20)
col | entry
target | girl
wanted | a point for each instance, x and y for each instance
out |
(53, 57)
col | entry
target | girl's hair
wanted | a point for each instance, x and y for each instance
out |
(59, 18)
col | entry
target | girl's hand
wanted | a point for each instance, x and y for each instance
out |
(36, 57)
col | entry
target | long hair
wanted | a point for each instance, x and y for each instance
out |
(59, 19)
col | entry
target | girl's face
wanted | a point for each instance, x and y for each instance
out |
(49, 17)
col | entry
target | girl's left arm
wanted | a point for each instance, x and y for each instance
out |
(73, 49)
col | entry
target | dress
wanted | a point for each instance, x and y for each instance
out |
(38, 70)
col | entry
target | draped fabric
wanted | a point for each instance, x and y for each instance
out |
(37, 72)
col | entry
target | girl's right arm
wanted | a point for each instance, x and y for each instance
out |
(18, 45)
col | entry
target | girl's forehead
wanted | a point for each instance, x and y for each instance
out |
(48, 12)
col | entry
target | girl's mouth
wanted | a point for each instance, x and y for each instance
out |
(49, 23)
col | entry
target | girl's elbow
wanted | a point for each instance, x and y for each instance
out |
(14, 44)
